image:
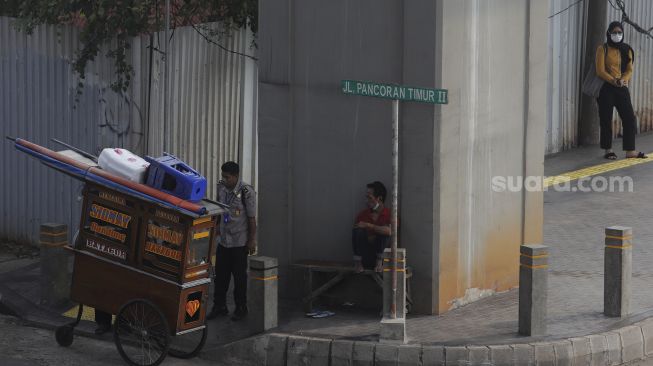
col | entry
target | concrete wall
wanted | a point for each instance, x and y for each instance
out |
(318, 148)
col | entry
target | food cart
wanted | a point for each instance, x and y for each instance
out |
(143, 257)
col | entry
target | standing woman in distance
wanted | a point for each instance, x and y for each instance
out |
(614, 64)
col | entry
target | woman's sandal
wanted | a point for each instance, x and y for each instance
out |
(640, 155)
(610, 156)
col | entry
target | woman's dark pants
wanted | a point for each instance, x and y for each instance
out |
(615, 97)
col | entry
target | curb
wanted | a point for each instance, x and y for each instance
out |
(616, 347)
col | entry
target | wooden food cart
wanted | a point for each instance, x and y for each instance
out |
(143, 259)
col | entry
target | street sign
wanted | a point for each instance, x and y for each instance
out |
(397, 92)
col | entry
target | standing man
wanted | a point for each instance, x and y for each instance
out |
(237, 240)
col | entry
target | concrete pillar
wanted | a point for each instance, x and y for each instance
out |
(596, 20)
(533, 283)
(618, 266)
(262, 293)
(394, 329)
(55, 280)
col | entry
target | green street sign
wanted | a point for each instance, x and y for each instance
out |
(398, 92)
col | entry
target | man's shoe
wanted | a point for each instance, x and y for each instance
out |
(217, 311)
(240, 313)
(102, 328)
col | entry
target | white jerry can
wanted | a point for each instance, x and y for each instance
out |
(124, 164)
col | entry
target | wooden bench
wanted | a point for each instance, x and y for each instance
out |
(341, 271)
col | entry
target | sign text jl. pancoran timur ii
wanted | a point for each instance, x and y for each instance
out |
(399, 92)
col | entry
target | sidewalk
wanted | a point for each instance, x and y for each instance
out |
(481, 332)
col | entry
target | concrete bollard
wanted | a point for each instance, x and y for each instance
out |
(618, 266)
(533, 286)
(262, 294)
(55, 280)
(394, 330)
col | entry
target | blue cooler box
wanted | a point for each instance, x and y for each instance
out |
(173, 176)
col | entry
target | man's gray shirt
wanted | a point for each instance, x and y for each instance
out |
(242, 202)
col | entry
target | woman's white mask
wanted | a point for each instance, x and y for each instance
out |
(616, 38)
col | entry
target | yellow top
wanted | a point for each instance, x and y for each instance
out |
(608, 67)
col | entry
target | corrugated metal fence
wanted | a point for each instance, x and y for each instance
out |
(566, 32)
(212, 103)
(565, 54)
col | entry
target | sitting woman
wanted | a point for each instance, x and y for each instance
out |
(372, 230)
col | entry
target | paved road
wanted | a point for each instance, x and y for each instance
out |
(22, 345)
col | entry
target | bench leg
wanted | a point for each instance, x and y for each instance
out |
(308, 281)
(409, 297)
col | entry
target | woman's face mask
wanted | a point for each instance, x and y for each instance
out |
(616, 37)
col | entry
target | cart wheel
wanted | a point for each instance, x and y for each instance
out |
(187, 345)
(64, 335)
(141, 333)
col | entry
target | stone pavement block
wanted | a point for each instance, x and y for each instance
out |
(544, 354)
(433, 355)
(614, 348)
(533, 291)
(385, 355)
(582, 353)
(478, 355)
(456, 355)
(599, 350)
(619, 231)
(341, 353)
(501, 355)
(262, 289)
(247, 352)
(363, 354)
(564, 353)
(534, 250)
(259, 348)
(393, 330)
(276, 349)
(617, 281)
(319, 351)
(632, 343)
(647, 332)
(50, 227)
(261, 262)
(298, 351)
(409, 355)
(523, 354)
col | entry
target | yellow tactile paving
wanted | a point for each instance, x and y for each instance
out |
(88, 313)
(595, 170)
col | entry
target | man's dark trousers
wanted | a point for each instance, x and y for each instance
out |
(102, 318)
(368, 251)
(228, 262)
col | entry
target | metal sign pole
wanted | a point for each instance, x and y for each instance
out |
(395, 200)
